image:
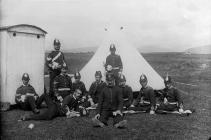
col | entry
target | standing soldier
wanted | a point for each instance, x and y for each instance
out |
(110, 105)
(54, 62)
(114, 62)
(127, 92)
(26, 96)
(62, 84)
(96, 87)
(171, 97)
(146, 100)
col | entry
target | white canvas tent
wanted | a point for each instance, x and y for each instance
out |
(22, 50)
(133, 62)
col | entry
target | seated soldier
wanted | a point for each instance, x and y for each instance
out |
(110, 105)
(26, 96)
(171, 98)
(146, 100)
(62, 84)
(96, 87)
(55, 109)
(126, 91)
(78, 84)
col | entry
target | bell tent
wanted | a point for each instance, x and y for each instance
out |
(21, 51)
(133, 62)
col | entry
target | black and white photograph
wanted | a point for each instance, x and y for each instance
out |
(105, 69)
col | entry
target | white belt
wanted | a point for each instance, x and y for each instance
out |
(126, 99)
(173, 103)
(29, 94)
(63, 89)
(145, 102)
(115, 68)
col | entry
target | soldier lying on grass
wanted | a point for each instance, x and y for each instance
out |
(68, 107)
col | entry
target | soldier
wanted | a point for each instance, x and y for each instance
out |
(54, 62)
(55, 109)
(146, 100)
(114, 63)
(110, 105)
(78, 84)
(127, 92)
(172, 100)
(96, 87)
(26, 96)
(62, 84)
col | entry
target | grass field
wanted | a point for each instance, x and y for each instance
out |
(189, 69)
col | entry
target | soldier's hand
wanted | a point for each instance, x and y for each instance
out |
(117, 112)
(35, 97)
(165, 101)
(23, 98)
(97, 116)
(50, 65)
(60, 98)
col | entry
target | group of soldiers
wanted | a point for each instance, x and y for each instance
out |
(110, 97)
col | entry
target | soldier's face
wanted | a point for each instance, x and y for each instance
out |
(143, 84)
(25, 82)
(77, 80)
(110, 83)
(168, 85)
(97, 78)
(63, 71)
(112, 52)
(122, 84)
(77, 94)
(57, 47)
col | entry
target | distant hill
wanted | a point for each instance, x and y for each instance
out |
(199, 50)
(82, 50)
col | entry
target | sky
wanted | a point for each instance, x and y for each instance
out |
(151, 25)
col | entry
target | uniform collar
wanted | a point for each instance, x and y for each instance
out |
(25, 85)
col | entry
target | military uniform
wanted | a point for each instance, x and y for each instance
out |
(95, 90)
(127, 95)
(173, 97)
(115, 61)
(54, 62)
(29, 103)
(146, 99)
(110, 100)
(62, 85)
(79, 85)
(55, 108)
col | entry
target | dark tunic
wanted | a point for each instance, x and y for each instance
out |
(127, 95)
(23, 90)
(60, 60)
(62, 85)
(173, 95)
(110, 99)
(95, 90)
(114, 60)
(80, 85)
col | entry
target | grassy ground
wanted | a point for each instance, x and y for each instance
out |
(183, 68)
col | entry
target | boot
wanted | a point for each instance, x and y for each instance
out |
(36, 111)
(121, 124)
(97, 123)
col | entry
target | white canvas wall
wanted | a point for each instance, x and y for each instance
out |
(22, 53)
